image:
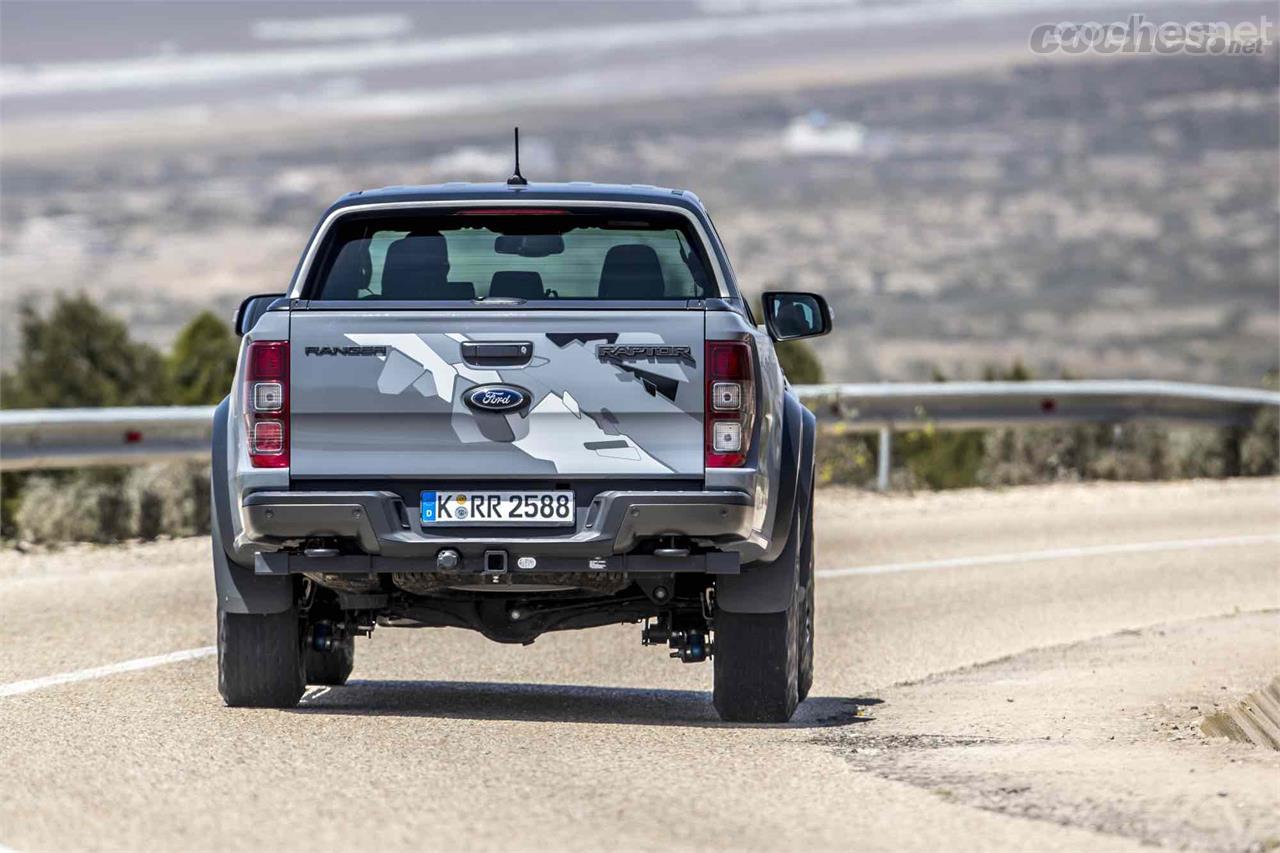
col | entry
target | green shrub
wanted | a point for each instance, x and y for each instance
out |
(203, 361)
(11, 485)
(111, 504)
(799, 363)
(1143, 451)
(86, 507)
(78, 355)
(940, 459)
(1260, 447)
(168, 500)
(844, 457)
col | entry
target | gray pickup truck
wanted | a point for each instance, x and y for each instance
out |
(516, 409)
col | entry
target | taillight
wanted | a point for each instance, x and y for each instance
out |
(266, 403)
(731, 403)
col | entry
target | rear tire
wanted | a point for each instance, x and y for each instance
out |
(756, 656)
(763, 661)
(333, 667)
(260, 660)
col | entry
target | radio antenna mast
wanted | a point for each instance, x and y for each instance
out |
(517, 179)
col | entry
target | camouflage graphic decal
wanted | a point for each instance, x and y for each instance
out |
(601, 426)
(652, 382)
(563, 339)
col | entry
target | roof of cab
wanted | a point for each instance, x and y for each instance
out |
(573, 191)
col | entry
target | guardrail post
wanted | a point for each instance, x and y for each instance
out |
(883, 458)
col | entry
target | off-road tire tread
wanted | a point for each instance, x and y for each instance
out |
(756, 666)
(260, 660)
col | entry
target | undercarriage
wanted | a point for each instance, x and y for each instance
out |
(676, 608)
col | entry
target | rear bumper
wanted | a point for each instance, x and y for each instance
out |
(392, 538)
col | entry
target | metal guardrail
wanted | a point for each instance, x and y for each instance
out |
(33, 439)
(962, 405)
(888, 406)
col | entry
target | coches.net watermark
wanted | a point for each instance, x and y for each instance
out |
(1136, 35)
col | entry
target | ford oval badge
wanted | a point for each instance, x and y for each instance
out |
(497, 398)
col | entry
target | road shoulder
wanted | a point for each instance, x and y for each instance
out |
(1119, 752)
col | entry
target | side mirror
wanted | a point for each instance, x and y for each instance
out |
(252, 309)
(788, 315)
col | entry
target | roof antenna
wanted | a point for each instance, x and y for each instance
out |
(517, 179)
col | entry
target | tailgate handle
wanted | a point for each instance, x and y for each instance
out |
(497, 353)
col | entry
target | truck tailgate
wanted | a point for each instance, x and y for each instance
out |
(605, 393)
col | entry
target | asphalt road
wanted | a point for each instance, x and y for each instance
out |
(1000, 670)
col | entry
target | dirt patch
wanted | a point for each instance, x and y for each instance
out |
(1105, 735)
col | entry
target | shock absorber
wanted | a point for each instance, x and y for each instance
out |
(692, 647)
(689, 645)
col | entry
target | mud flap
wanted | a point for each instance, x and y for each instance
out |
(238, 589)
(766, 587)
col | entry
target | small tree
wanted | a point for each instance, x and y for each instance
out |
(203, 362)
(78, 355)
(800, 363)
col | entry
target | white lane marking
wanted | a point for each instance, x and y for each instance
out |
(307, 696)
(19, 687)
(1052, 554)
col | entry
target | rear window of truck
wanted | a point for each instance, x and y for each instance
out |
(519, 253)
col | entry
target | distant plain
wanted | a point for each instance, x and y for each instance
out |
(963, 203)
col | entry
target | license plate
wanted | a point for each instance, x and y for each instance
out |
(514, 508)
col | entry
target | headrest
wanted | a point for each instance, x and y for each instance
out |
(460, 290)
(632, 271)
(791, 319)
(415, 266)
(516, 284)
(454, 291)
(350, 272)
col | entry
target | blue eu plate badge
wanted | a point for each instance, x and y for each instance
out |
(428, 507)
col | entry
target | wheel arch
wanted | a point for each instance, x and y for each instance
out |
(765, 586)
(238, 589)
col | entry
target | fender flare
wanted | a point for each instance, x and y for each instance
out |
(798, 431)
(766, 586)
(238, 589)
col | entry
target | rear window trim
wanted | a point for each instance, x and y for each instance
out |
(302, 281)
